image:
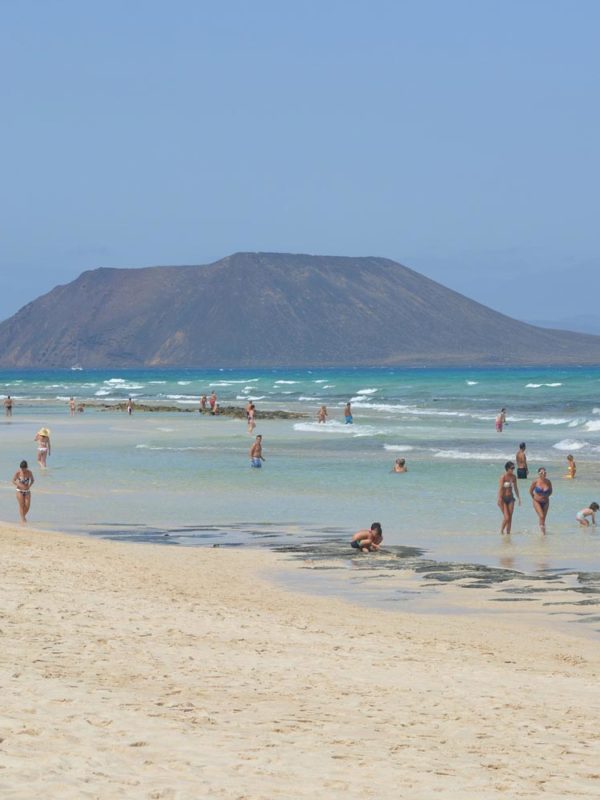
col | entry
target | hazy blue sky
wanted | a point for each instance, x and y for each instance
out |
(459, 137)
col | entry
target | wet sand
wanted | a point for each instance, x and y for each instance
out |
(137, 671)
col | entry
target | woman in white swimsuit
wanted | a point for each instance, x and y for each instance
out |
(42, 437)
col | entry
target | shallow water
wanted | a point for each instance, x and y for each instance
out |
(188, 475)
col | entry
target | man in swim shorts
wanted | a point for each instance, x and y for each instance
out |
(368, 541)
(256, 456)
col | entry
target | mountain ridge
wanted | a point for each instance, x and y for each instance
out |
(274, 310)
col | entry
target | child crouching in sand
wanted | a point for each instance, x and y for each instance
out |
(590, 511)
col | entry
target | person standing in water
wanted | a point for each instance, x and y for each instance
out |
(44, 449)
(521, 459)
(72, 406)
(23, 480)
(129, 406)
(202, 403)
(540, 491)
(8, 406)
(212, 400)
(571, 468)
(256, 456)
(322, 414)
(250, 413)
(501, 420)
(348, 413)
(367, 541)
(507, 489)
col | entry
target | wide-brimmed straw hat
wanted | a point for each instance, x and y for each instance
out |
(43, 432)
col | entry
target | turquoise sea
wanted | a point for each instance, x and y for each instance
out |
(185, 479)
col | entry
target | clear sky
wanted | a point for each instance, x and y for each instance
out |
(459, 137)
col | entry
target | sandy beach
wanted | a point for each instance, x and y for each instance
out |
(140, 671)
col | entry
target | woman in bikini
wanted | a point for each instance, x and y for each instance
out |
(507, 489)
(540, 491)
(42, 437)
(23, 480)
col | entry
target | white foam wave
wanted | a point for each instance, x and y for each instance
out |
(367, 391)
(287, 382)
(472, 383)
(66, 399)
(464, 455)
(232, 382)
(310, 399)
(399, 448)
(323, 380)
(592, 425)
(551, 420)
(156, 382)
(250, 397)
(183, 383)
(327, 427)
(181, 397)
(101, 393)
(570, 444)
(539, 385)
(595, 410)
(176, 449)
(166, 430)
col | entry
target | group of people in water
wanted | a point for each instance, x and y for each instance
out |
(540, 491)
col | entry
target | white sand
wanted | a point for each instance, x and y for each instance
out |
(137, 671)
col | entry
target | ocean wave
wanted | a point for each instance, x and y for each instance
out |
(464, 455)
(287, 382)
(592, 425)
(232, 382)
(166, 430)
(102, 393)
(175, 449)
(310, 399)
(399, 448)
(183, 383)
(182, 397)
(551, 420)
(471, 383)
(539, 385)
(156, 382)
(250, 397)
(367, 391)
(65, 399)
(323, 380)
(323, 427)
(595, 410)
(570, 444)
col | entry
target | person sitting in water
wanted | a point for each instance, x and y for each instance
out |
(400, 465)
(590, 511)
(571, 468)
(368, 541)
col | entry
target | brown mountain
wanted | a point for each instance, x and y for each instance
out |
(274, 309)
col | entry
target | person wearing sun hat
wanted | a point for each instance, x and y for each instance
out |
(42, 437)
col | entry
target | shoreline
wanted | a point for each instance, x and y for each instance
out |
(131, 670)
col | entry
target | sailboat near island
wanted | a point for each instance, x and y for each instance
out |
(76, 367)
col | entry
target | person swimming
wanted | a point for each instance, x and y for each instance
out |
(368, 541)
(507, 489)
(400, 465)
(540, 491)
